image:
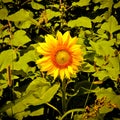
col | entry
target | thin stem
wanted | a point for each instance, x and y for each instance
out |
(89, 93)
(64, 96)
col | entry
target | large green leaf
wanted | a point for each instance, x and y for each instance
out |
(41, 95)
(111, 25)
(7, 1)
(109, 94)
(50, 14)
(24, 24)
(103, 47)
(37, 83)
(36, 6)
(20, 15)
(38, 92)
(22, 63)
(81, 3)
(6, 58)
(20, 38)
(81, 21)
(117, 5)
(3, 13)
(102, 75)
(106, 4)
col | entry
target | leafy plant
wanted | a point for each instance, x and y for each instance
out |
(27, 93)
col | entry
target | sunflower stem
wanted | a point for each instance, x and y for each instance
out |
(64, 96)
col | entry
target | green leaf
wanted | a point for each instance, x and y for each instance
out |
(96, 1)
(112, 67)
(102, 75)
(109, 94)
(22, 63)
(24, 24)
(3, 13)
(7, 1)
(111, 25)
(20, 15)
(37, 83)
(36, 6)
(38, 112)
(105, 4)
(6, 58)
(20, 38)
(98, 19)
(50, 14)
(109, 68)
(81, 21)
(88, 68)
(81, 3)
(41, 95)
(103, 47)
(19, 111)
(100, 61)
(117, 5)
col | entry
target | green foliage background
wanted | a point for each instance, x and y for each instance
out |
(94, 93)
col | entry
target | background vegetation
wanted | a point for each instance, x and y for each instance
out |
(26, 93)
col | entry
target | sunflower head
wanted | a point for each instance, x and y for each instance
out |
(61, 55)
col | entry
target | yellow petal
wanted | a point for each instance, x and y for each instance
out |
(41, 51)
(50, 40)
(46, 67)
(56, 72)
(66, 37)
(75, 48)
(70, 69)
(72, 41)
(62, 73)
(59, 37)
(42, 60)
(67, 73)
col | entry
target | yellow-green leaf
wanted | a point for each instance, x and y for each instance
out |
(6, 58)
(20, 15)
(36, 6)
(81, 21)
(111, 25)
(3, 13)
(20, 38)
(81, 3)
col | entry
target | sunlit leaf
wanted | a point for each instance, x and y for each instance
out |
(38, 82)
(50, 14)
(117, 5)
(98, 19)
(7, 1)
(109, 94)
(107, 3)
(111, 25)
(103, 47)
(20, 38)
(36, 6)
(81, 21)
(20, 15)
(6, 58)
(42, 95)
(22, 63)
(81, 3)
(24, 24)
(96, 1)
(102, 75)
(19, 111)
(88, 68)
(37, 112)
(3, 13)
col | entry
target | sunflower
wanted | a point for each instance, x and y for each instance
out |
(61, 55)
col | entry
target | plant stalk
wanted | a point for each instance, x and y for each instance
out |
(64, 96)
